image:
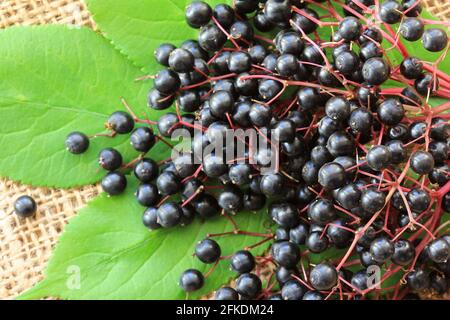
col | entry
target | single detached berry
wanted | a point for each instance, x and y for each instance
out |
(25, 206)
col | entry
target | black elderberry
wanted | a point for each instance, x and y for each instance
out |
(332, 175)
(390, 11)
(381, 249)
(272, 184)
(341, 143)
(242, 261)
(269, 88)
(339, 234)
(198, 14)
(403, 252)
(411, 8)
(211, 38)
(278, 11)
(440, 175)
(418, 279)
(114, 183)
(371, 33)
(379, 157)
(439, 250)
(239, 61)
(422, 162)
(370, 50)
(150, 218)
(159, 101)
(292, 290)
(350, 28)
(142, 139)
(412, 29)
(25, 206)
(110, 159)
(425, 84)
(231, 199)
(434, 39)
(162, 53)
(367, 96)
(284, 214)
(191, 280)
(390, 111)
(372, 200)
(147, 195)
(348, 196)
(323, 276)
(221, 103)
(375, 71)
(146, 170)
(286, 254)
(317, 242)
(360, 120)
(120, 122)
(226, 293)
(224, 14)
(166, 81)
(248, 285)
(242, 30)
(338, 108)
(206, 206)
(411, 68)
(397, 150)
(261, 22)
(321, 212)
(313, 295)
(77, 142)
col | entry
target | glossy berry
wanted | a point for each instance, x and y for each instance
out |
(77, 142)
(292, 290)
(422, 162)
(418, 200)
(25, 207)
(379, 157)
(372, 200)
(206, 206)
(248, 285)
(332, 175)
(146, 170)
(370, 50)
(150, 218)
(239, 61)
(220, 103)
(147, 195)
(323, 276)
(162, 53)
(120, 122)
(242, 30)
(412, 29)
(284, 214)
(313, 296)
(306, 24)
(181, 60)
(341, 143)
(299, 234)
(375, 71)
(418, 279)
(169, 214)
(284, 131)
(114, 183)
(231, 199)
(242, 261)
(286, 254)
(390, 111)
(277, 11)
(272, 184)
(348, 196)
(397, 150)
(360, 120)
(142, 139)
(224, 14)
(337, 108)
(390, 11)
(434, 39)
(207, 251)
(290, 43)
(321, 211)
(226, 293)
(191, 280)
(287, 65)
(411, 68)
(198, 14)
(261, 22)
(167, 81)
(439, 151)
(168, 183)
(110, 159)
(317, 242)
(349, 28)
(381, 249)
(425, 84)
(439, 250)
(403, 252)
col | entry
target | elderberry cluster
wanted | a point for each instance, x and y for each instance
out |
(360, 168)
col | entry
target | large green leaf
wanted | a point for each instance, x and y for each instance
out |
(118, 258)
(55, 80)
(138, 27)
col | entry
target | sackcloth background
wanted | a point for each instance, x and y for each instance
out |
(26, 245)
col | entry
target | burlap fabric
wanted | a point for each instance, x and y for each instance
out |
(26, 245)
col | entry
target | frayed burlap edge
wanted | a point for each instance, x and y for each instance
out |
(26, 244)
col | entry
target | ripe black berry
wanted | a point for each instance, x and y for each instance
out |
(418, 279)
(348, 196)
(332, 175)
(403, 252)
(147, 195)
(381, 249)
(114, 183)
(198, 14)
(277, 11)
(120, 122)
(248, 285)
(224, 14)
(110, 159)
(321, 211)
(422, 162)
(439, 250)
(434, 39)
(425, 84)
(390, 11)
(242, 261)
(150, 218)
(292, 290)
(390, 111)
(207, 251)
(191, 280)
(316, 242)
(323, 276)
(181, 60)
(379, 157)
(372, 200)
(231, 199)
(349, 28)
(146, 170)
(159, 101)
(412, 29)
(272, 184)
(411, 68)
(25, 206)
(77, 142)
(162, 53)
(169, 214)
(239, 61)
(226, 293)
(286, 254)
(375, 71)
(337, 108)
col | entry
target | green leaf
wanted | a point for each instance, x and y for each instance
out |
(55, 80)
(118, 258)
(138, 27)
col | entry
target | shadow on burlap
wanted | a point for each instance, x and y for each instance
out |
(26, 245)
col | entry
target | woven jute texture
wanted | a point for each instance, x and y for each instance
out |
(26, 245)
